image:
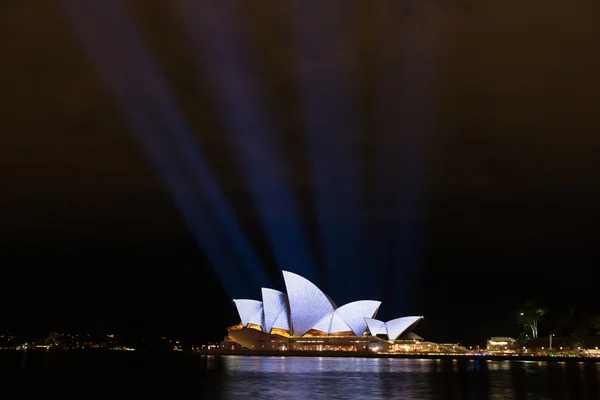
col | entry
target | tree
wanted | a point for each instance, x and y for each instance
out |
(530, 315)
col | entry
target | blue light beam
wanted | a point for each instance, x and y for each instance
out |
(327, 72)
(119, 54)
(241, 105)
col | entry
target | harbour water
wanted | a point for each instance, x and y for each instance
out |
(123, 375)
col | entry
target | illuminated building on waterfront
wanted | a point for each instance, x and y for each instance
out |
(305, 318)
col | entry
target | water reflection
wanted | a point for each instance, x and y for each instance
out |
(374, 378)
(210, 362)
(127, 375)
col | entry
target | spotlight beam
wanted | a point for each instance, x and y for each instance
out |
(242, 108)
(327, 72)
(142, 94)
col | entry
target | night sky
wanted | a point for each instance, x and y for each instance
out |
(448, 150)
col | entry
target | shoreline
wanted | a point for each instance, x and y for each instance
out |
(356, 354)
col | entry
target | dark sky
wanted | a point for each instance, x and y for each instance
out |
(469, 130)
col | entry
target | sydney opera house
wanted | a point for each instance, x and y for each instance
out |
(305, 318)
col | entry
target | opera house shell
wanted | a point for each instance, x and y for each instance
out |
(305, 318)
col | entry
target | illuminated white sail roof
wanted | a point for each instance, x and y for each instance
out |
(251, 311)
(282, 321)
(376, 327)
(332, 323)
(258, 318)
(354, 314)
(308, 304)
(275, 306)
(392, 328)
(306, 307)
(396, 326)
(349, 317)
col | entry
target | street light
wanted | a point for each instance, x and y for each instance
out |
(551, 341)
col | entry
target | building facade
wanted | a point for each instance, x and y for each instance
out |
(306, 319)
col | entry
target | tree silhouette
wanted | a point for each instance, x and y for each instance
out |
(530, 315)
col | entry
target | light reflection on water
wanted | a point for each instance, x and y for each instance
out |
(173, 375)
(396, 378)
